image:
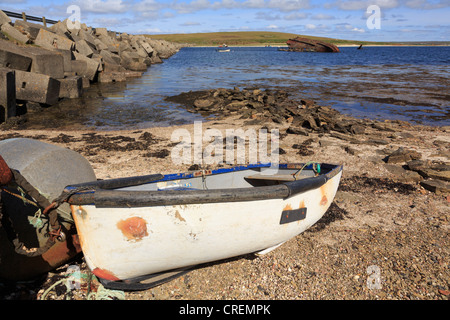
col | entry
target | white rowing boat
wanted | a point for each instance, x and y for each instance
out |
(182, 220)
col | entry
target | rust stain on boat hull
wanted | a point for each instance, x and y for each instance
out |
(134, 228)
(105, 274)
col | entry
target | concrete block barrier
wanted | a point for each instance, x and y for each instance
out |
(7, 94)
(36, 87)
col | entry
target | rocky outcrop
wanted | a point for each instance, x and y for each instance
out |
(274, 108)
(52, 62)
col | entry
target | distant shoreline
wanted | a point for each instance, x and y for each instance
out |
(274, 39)
(339, 46)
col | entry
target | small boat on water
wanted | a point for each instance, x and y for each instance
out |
(137, 232)
(223, 48)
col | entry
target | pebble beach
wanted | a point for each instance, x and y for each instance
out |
(384, 237)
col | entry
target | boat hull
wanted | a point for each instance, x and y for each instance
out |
(121, 243)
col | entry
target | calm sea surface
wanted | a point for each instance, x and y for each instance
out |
(406, 83)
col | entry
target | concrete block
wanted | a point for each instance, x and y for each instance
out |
(106, 40)
(141, 52)
(132, 74)
(99, 59)
(36, 87)
(86, 82)
(133, 65)
(46, 62)
(125, 36)
(71, 87)
(51, 41)
(88, 37)
(31, 28)
(67, 58)
(91, 65)
(107, 77)
(8, 106)
(101, 32)
(72, 27)
(11, 56)
(78, 67)
(31, 58)
(100, 45)
(146, 46)
(83, 47)
(13, 33)
(147, 61)
(133, 56)
(4, 18)
(58, 26)
(155, 59)
(115, 57)
(113, 67)
(124, 46)
(109, 57)
(114, 48)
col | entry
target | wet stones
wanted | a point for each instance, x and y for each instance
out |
(433, 176)
(402, 155)
(436, 186)
(403, 175)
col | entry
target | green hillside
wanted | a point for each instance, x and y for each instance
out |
(245, 38)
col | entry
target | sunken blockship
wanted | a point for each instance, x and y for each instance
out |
(300, 44)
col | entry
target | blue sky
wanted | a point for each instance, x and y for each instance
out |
(401, 20)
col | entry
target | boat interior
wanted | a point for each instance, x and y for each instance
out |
(236, 177)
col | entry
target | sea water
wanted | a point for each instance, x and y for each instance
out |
(377, 82)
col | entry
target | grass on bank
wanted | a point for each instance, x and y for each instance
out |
(248, 38)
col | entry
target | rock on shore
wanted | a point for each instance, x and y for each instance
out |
(304, 117)
(43, 65)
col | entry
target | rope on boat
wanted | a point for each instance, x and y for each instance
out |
(101, 294)
(316, 168)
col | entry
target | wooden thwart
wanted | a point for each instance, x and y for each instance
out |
(274, 177)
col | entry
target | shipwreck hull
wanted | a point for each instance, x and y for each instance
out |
(308, 45)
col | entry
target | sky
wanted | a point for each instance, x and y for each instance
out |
(386, 20)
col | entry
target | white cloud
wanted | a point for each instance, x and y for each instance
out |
(102, 6)
(362, 4)
(272, 26)
(423, 4)
(150, 30)
(190, 23)
(296, 16)
(322, 16)
(266, 16)
(358, 30)
(197, 5)
(310, 26)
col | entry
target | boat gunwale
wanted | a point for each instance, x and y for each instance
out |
(112, 198)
